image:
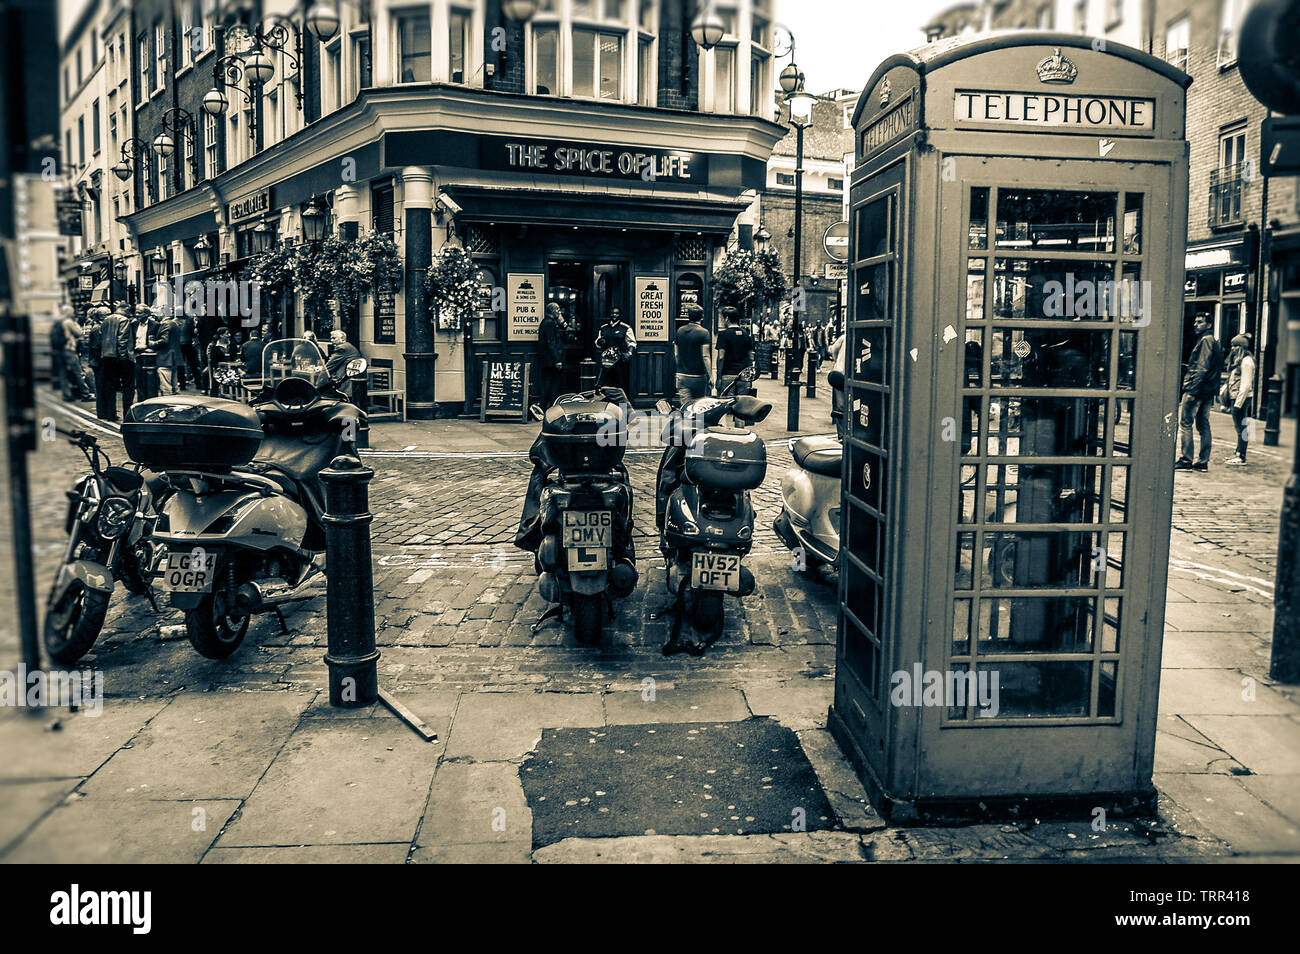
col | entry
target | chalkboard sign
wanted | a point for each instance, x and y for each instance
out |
(505, 389)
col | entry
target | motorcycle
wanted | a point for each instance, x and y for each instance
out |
(703, 509)
(809, 522)
(111, 514)
(577, 516)
(243, 529)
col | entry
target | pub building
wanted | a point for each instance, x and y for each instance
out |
(599, 184)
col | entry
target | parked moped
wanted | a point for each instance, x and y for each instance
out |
(703, 508)
(111, 513)
(577, 516)
(243, 529)
(809, 522)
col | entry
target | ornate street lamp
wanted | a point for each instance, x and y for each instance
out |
(258, 67)
(262, 236)
(135, 156)
(313, 222)
(163, 145)
(762, 236)
(215, 102)
(707, 29)
(155, 264)
(790, 79)
(323, 21)
(202, 253)
(177, 122)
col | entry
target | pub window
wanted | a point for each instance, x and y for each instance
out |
(94, 128)
(759, 91)
(414, 60)
(381, 208)
(597, 64)
(211, 170)
(546, 46)
(163, 177)
(835, 185)
(160, 51)
(785, 179)
(361, 62)
(1177, 41)
(645, 71)
(458, 44)
(724, 79)
(1230, 14)
(146, 74)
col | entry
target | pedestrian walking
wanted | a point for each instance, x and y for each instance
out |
(189, 353)
(167, 343)
(1200, 385)
(616, 343)
(735, 348)
(548, 360)
(144, 327)
(118, 370)
(838, 417)
(92, 344)
(693, 356)
(73, 378)
(58, 343)
(1238, 392)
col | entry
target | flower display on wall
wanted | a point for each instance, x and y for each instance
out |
(451, 289)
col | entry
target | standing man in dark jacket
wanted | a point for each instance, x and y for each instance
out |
(143, 330)
(167, 342)
(548, 361)
(616, 343)
(1200, 385)
(117, 367)
(93, 344)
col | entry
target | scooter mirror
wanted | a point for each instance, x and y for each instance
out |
(536, 411)
(356, 368)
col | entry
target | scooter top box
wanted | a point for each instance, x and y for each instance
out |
(728, 458)
(584, 433)
(192, 431)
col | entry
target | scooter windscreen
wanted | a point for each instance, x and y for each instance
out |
(294, 358)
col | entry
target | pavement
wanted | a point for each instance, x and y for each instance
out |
(238, 761)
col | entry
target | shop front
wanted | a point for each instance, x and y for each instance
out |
(1220, 282)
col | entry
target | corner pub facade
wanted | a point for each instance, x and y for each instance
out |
(593, 156)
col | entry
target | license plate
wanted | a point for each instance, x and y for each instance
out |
(181, 573)
(588, 528)
(587, 558)
(715, 571)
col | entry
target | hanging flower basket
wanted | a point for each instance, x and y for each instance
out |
(450, 288)
(746, 279)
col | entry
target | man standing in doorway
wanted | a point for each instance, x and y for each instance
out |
(616, 342)
(548, 360)
(1200, 385)
(693, 356)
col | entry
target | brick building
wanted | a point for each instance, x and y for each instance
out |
(592, 156)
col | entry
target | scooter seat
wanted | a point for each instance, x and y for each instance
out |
(301, 459)
(818, 455)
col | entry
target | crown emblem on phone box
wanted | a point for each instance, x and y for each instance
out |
(1057, 69)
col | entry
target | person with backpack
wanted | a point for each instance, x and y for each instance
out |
(1237, 393)
(1200, 385)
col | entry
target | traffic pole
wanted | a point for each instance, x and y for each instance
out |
(20, 421)
(350, 595)
(1285, 663)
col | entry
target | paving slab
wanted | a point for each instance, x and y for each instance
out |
(1279, 792)
(124, 831)
(499, 726)
(840, 783)
(394, 854)
(25, 802)
(974, 843)
(352, 782)
(815, 847)
(1267, 745)
(476, 803)
(1213, 651)
(675, 705)
(81, 744)
(1180, 748)
(798, 706)
(1238, 616)
(1231, 812)
(505, 853)
(1218, 692)
(204, 745)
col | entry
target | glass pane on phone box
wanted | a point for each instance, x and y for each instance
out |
(1107, 688)
(974, 357)
(960, 627)
(1115, 560)
(1118, 494)
(1126, 373)
(1042, 493)
(978, 234)
(975, 290)
(869, 416)
(1133, 223)
(868, 354)
(1056, 219)
(1123, 426)
(1039, 560)
(1028, 690)
(1110, 622)
(1050, 358)
(1025, 624)
(966, 512)
(1131, 302)
(873, 293)
(1046, 427)
(964, 570)
(1047, 290)
(970, 425)
(873, 228)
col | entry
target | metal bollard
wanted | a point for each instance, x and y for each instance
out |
(812, 374)
(349, 596)
(586, 375)
(1272, 410)
(148, 370)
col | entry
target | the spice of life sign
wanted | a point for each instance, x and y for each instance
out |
(1056, 110)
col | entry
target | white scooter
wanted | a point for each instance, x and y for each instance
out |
(809, 522)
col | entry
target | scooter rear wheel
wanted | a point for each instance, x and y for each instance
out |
(216, 627)
(73, 622)
(705, 611)
(588, 616)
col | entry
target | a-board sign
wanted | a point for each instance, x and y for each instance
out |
(505, 389)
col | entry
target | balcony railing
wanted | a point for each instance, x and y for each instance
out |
(1226, 186)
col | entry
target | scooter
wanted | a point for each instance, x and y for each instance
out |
(809, 522)
(243, 529)
(577, 516)
(111, 513)
(703, 508)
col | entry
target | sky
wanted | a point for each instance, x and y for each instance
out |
(839, 43)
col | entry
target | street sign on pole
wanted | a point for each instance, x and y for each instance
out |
(1279, 146)
(836, 242)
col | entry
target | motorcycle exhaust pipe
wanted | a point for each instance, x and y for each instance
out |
(547, 588)
(258, 596)
(622, 579)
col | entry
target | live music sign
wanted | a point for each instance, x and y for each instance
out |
(1055, 110)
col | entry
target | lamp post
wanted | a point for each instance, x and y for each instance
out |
(800, 104)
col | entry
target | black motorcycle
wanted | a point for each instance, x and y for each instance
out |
(111, 515)
(577, 517)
